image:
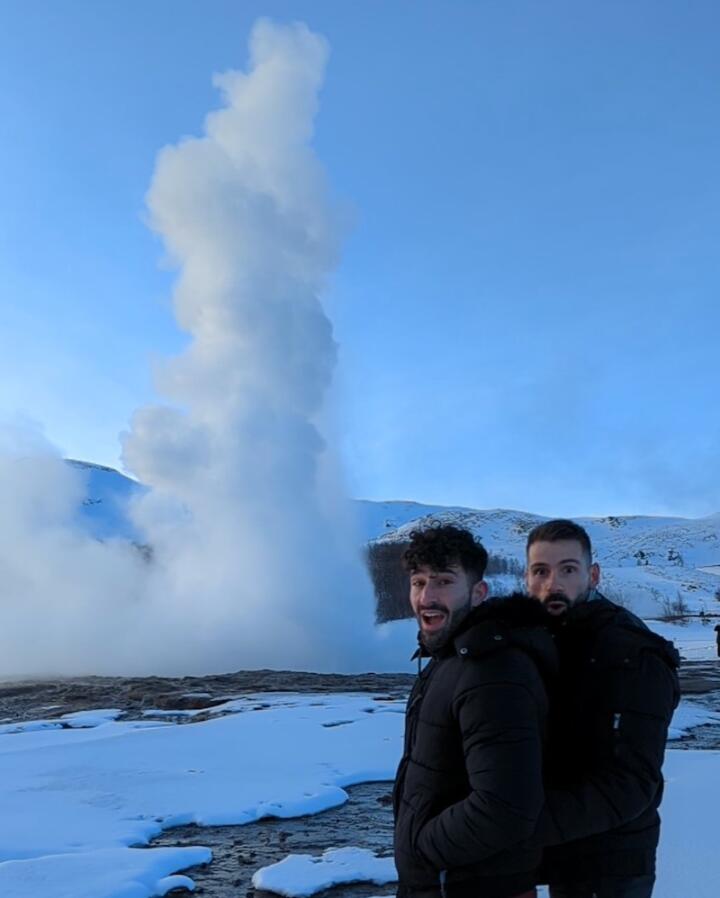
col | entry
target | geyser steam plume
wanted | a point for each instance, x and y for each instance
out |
(251, 566)
(243, 537)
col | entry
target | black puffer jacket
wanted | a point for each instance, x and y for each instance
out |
(469, 785)
(610, 711)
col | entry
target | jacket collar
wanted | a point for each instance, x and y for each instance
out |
(496, 624)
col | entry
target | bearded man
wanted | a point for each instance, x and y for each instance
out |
(469, 785)
(610, 710)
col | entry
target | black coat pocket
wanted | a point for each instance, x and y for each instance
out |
(413, 870)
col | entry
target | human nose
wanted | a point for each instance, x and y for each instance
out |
(553, 582)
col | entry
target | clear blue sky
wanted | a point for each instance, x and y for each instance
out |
(527, 303)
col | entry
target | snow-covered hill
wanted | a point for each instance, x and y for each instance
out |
(652, 564)
(656, 566)
(104, 510)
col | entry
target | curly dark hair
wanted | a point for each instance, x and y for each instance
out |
(440, 545)
(560, 529)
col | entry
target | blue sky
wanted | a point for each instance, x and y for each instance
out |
(526, 306)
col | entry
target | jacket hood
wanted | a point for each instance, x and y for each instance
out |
(600, 613)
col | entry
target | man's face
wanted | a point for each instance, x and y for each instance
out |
(559, 574)
(440, 600)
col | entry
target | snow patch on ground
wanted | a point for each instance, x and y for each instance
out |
(105, 873)
(301, 875)
(78, 719)
(694, 639)
(688, 860)
(687, 716)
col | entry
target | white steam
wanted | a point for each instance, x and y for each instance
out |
(251, 566)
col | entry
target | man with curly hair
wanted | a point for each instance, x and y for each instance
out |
(469, 786)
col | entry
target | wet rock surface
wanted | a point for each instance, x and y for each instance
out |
(48, 699)
(700, 677)
(365, 821)
(52, 698)
(700, 684)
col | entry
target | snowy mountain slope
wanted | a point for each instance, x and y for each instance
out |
(104, 511)
(375, 519)
(618, 542)
(649, 563)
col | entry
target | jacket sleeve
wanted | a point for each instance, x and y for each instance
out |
(501, 726)
(629, 781)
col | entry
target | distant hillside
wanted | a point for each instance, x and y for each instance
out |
(656, 566)
(651, 564)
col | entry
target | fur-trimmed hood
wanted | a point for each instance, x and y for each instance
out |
(502, 622)
(621, 634)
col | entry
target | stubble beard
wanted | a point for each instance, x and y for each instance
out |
(559, 597)
(433, 642)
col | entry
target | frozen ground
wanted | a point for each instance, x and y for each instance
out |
(694, 638)
(69, 793)
(301, 875)
(75, 797)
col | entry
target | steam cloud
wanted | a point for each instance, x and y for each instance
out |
(253, 565)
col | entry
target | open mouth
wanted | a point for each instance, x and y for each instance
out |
(432, 620)
(557, 606)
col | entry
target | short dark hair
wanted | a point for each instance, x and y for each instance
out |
(440, 545)
(560, 529)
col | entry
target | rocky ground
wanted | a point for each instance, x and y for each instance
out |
(238, 851)
(34, 699)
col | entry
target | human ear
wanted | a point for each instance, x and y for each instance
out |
(479, 593)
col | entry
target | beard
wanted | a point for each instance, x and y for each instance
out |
(558, 604)
(438, 639)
